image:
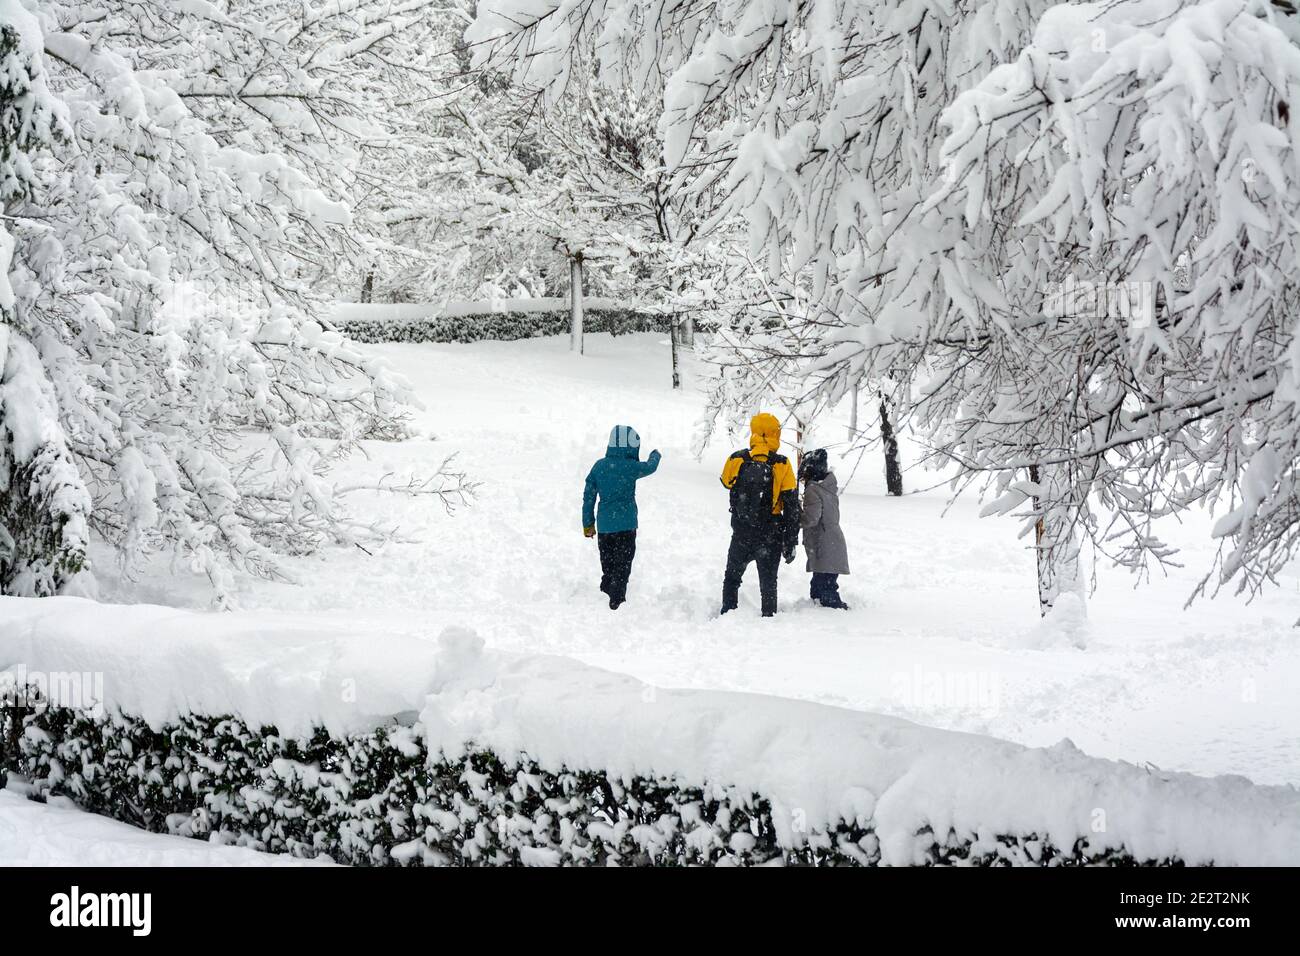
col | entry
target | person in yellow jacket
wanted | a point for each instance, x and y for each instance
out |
(764, 512)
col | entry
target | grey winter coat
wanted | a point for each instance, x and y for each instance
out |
(828, 553)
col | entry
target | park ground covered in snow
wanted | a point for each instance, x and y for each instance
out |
(944, 627)
(1022, 221)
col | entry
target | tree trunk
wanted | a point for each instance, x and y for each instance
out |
(893, 473)
(853, 416)
(368, 287)
(575, 304)
(688, 330)
(674, 331)
(1056, 545)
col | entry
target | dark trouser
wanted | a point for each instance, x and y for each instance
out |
(825, 587)
(617, 549)
(764, 549)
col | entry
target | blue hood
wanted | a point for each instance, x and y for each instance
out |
(624, 442)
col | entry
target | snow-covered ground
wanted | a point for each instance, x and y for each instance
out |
(943, 629)
(58, 833)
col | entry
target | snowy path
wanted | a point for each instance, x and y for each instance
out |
(943, 628)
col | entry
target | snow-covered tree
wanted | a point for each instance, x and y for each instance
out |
(753, 359)
(172, 250)
(521, 188)
(814, 123)
(594, 189)
(43, 502)
(1133, 179)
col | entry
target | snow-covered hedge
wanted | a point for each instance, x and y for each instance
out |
(506, 322)
(380, 799)
(265, 730)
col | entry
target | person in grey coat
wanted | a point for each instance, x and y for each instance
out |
(828, 553)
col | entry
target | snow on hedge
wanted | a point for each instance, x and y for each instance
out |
(816, 764)
(292, 672)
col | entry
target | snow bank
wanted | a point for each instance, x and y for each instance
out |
(815, 764)
(157, 663)
(58, 833)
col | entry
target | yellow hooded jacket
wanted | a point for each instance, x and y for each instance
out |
(764, 440)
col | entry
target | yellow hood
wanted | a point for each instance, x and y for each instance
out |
(765, 437)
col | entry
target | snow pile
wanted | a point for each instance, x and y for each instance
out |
(815, 764)
(1065, 625)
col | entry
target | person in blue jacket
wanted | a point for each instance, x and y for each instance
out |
(609, 508)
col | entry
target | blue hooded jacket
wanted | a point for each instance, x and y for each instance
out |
(613, 479)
